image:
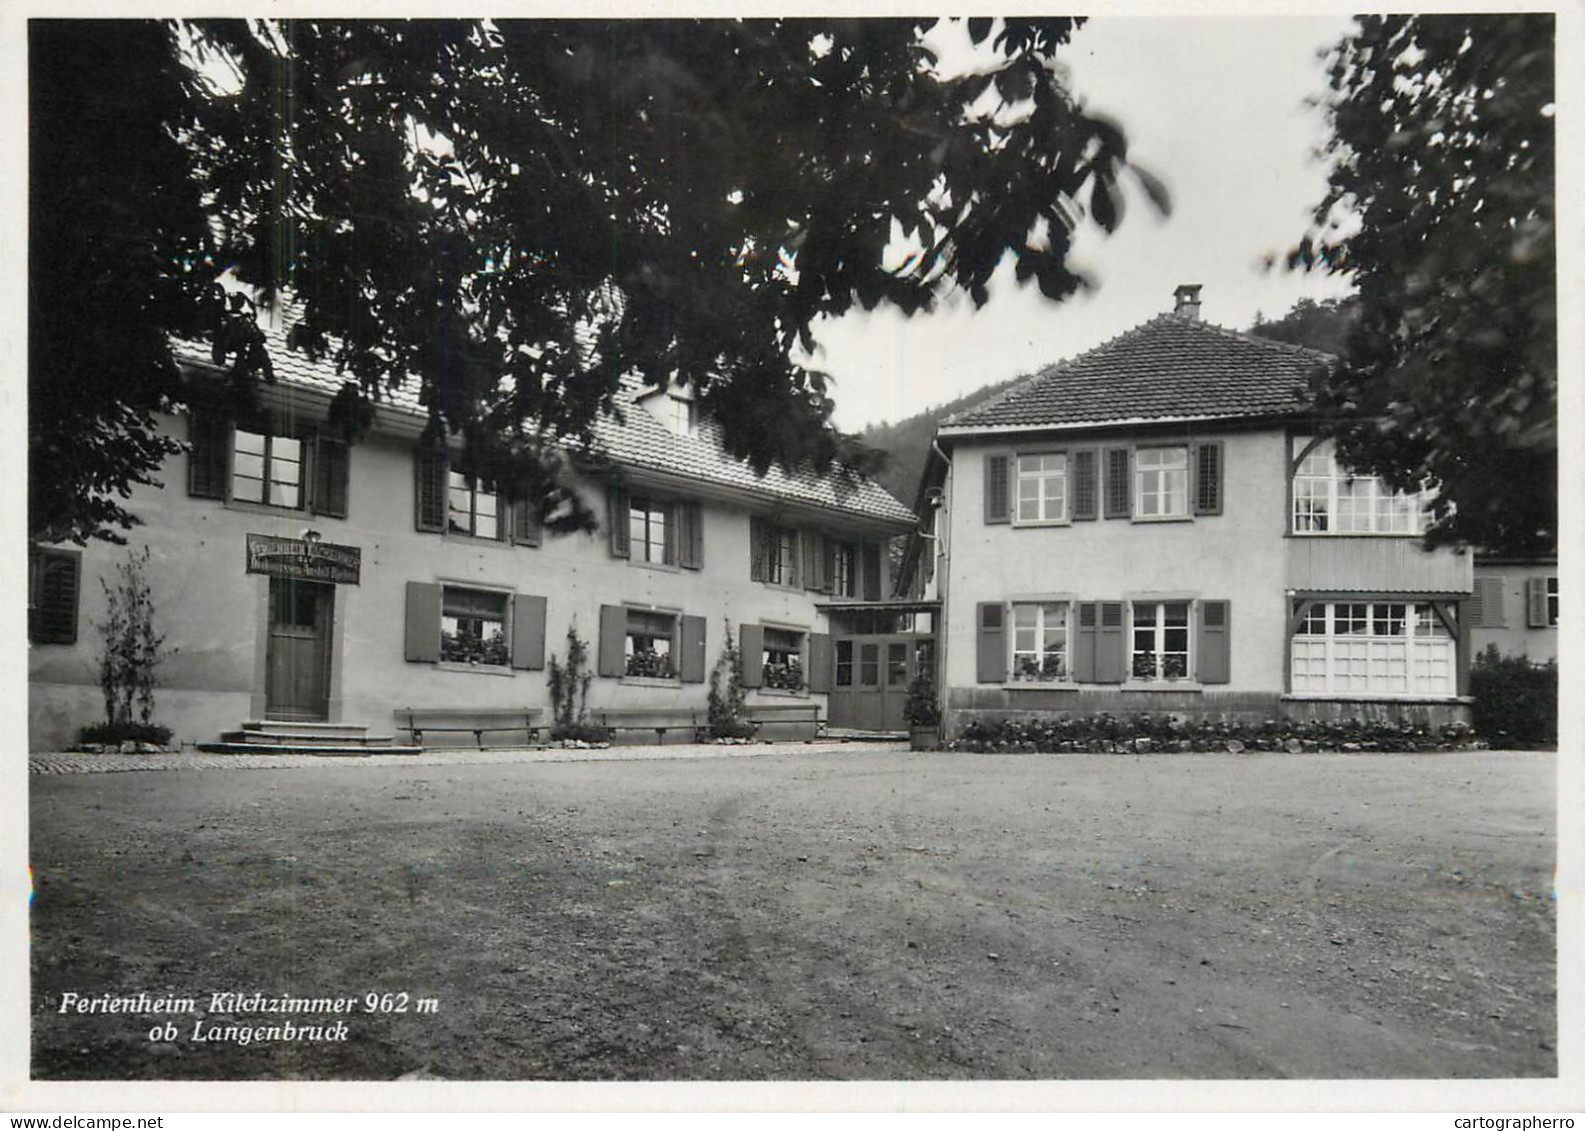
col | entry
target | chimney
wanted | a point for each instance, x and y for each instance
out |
(1186, 301)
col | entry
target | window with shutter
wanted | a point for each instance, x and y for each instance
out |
(1213, 663)
(1118, 483)
(330, 477)
(997, 504)
(1486, 603)
(429, 489)
(618, 520)
(209, 455)
(1086, 484)
(990, 646)
(1110, 655)
(54, 582)
(1208, 478)
(1087, 626)
(526, 527)
(1536, 602)
(690, 535)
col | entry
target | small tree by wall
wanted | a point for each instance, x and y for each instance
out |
(728, 716)
(569, 692)
(132, 651)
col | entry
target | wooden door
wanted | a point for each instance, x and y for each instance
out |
(297, 672)
(870, 681)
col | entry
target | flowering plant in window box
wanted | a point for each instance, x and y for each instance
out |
(1174, 667)
(787, 676)
(1052, 666)
(649, 663)
(462, 648)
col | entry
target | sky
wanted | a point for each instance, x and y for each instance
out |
(1215, 107)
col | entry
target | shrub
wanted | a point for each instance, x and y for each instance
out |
(569, 693)
(133, 649)
(920, 709)
(728, 716)
(1146, 733)
(1515, 700)
(114, 734)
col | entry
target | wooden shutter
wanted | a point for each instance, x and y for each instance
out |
(1208, 477)
(429, 489)
(751, 654)
(1088, 622)
(759, 564)
(1535, 601)
(669, 551)
(997, 471)
(690, 535)
(528, 632)
(821, 661)
(814, 560)
(612, 660)
(1119, 483)
(1486, 603)
(1086, 484)
(209, 457)
(330, 477)
(1214, 650)
(54, 587)
(693, 633)
(990, 649)
(872, 572)
(526, 528)
(423, 622)
(617, 517)
(1111, 657)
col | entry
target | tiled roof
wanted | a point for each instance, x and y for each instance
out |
(1172, 367)
(640, 442)
(643, 441)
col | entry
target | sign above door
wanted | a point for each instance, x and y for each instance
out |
(306, 559)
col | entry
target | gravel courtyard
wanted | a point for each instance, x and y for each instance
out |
(857, 913)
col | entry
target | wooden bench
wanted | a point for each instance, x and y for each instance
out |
(657, 719)
(477, 721)
(775, 720)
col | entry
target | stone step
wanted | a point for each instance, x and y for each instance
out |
(286, 735)
(320, 750)
(323, 729)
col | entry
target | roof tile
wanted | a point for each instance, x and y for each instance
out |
(1168, 368)
(641, 441)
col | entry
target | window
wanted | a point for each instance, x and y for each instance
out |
(647, 531)
(1541, 602)
(1378, 647)
(1043, 488)
(473, 627)
(266, 469)
(782, 656)
(775, 553)
(651, 637)
(842, 568)
(1551, 601)
(472, 506)
(680, 418)
(1160, 640)
(54, 580)
(1040, 642)
(1329, 499)
(1161, 483)
(869, 665)
(844, 664)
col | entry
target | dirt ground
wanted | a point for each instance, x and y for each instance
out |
(855, 915)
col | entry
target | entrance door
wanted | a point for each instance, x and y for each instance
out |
(297, 672)
(871, 679)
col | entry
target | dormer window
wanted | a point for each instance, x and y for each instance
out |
(680, 416)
